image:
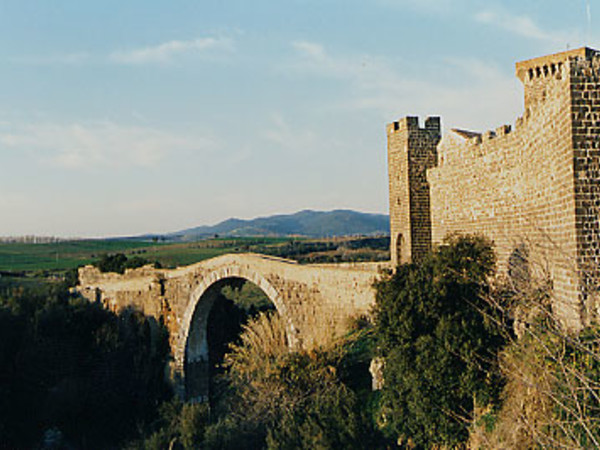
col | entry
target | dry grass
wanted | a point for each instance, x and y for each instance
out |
(263, 340)
(552, 394)
(253, 367)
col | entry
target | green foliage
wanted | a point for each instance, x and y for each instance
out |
(73, 366)
(334, 250)
(118, 262)
(112, 263)
(249, 297)
(327, 420)
(71, 278)
(575, 366)
(301, 404)
(178, 423)
(439, 339)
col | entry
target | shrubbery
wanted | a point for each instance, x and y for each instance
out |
(118, 262)
(440, 339)
(76, 374)
(178, 423)
(281, 399)
(75, 371)
(293, 399)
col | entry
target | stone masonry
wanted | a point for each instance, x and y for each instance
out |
(315, 301)
(534, 190)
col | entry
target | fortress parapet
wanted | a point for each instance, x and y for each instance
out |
(538, 75)
(534, 189)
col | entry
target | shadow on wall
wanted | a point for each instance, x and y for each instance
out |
(519, 271)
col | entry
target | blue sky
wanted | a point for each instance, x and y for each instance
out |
(126, 117)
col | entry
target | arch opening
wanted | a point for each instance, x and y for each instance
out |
(220, 313)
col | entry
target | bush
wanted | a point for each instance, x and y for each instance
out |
(440, 339)
(70, 366)
(179, 423)
(118, 262)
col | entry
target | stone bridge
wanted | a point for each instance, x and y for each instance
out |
(315, 301)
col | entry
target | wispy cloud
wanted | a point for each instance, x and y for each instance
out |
(167, 51)
(489, 12)
(97, 144)
(365, 72)
(313, 58)
(484, 98)
(158, 54)
(387, 86)
(284, 136)
(522, 25)
(310, 49)
(426, 6)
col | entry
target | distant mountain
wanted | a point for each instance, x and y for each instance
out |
(304, 223)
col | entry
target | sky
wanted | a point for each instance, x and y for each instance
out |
(146, 116)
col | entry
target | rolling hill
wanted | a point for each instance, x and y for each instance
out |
(304, 223)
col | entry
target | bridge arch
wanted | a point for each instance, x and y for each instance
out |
(192, 353)
(314, 301)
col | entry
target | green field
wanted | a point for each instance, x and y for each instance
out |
(60, 256)
(22, 263)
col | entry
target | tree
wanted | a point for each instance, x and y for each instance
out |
(440, 339)
(75, 370)
(118, 262)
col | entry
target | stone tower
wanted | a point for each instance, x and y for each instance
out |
(566, 87)
(411, 151)
(584, 86)
(533, 189)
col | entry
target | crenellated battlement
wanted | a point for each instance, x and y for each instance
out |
(549, 83)
(411, 124)
(532, 186)
(543, 77)
(551, 66)
(459, 144)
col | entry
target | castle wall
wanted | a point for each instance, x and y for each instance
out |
(535, 191)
